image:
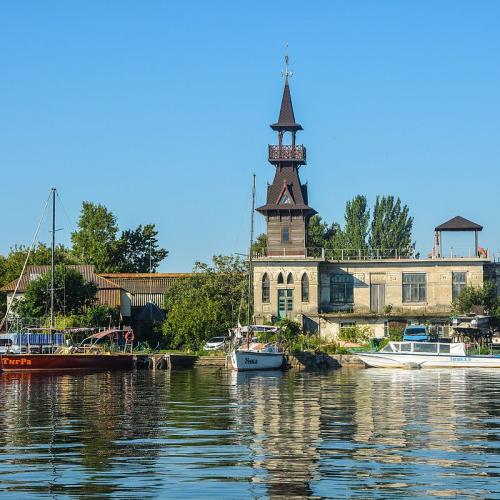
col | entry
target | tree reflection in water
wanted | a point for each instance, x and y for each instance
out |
(202, 433)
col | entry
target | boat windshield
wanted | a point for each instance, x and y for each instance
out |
(425, 347)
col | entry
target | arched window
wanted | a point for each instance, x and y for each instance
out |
(304, 286)
(266, 293)
(289, 279)
(280, 279)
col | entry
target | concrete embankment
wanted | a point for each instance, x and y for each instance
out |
(319, 361)
(177, 361)
(301, 361)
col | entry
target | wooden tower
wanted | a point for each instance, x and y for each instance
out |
(287, 211)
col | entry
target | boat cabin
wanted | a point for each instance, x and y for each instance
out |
(29, 342)
(453, 349)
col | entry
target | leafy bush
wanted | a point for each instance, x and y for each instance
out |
(396, 333)
(314, 343)
(383, 342)
(471, 297)
(335, 348)
(355, 333)
(94, 316)
(289, 329)
(304, 343)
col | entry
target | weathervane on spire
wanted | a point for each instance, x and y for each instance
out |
(287, 72)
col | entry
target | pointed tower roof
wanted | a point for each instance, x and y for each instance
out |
(286, 120)
(286, 193)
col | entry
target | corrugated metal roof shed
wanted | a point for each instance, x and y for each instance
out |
(145, 287)
(34, 272)
(144, 283)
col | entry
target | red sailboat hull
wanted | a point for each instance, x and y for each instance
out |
(54, 362)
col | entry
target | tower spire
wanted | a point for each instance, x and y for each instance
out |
(286, 120)
(286, 73)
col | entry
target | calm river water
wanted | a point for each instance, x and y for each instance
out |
(201, 433)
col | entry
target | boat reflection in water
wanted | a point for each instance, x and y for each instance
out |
(225, 434)
(285, 433)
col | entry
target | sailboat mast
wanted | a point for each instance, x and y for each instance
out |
(150, 284)
(250, 261)
(52, 262)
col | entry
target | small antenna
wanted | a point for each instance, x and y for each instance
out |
(286, 73)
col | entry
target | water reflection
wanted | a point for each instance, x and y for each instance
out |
(284, 420)
(357, 433)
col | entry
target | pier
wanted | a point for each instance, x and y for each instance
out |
(300, 361)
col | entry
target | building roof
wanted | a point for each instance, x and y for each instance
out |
(286, 186)
(286, 120)
(145, 283)
(459, 224)
(35, 272)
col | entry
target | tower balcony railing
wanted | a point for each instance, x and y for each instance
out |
(287, 153)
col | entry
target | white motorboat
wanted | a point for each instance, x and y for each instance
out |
(427, 355)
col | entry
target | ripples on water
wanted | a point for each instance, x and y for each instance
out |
(200, 433)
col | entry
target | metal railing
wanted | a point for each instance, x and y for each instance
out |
(287, 152)
(341, 253)
(360, 254)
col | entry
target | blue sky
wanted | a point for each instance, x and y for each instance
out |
(161, 111)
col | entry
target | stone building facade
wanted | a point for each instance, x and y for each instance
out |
(325, 294)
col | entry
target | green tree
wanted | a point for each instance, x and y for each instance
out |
(319, 233)
(391, 227)
(72, 294)
(135, 247)
(324, 235)
(259, 246)
(95, 240)
(207, 303)
(12, 265)
(472, 297)
(357, 220)
(289, 331)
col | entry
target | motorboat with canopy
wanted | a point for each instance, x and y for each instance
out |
(428, 355)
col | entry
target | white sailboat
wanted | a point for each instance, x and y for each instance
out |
(253, 354)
